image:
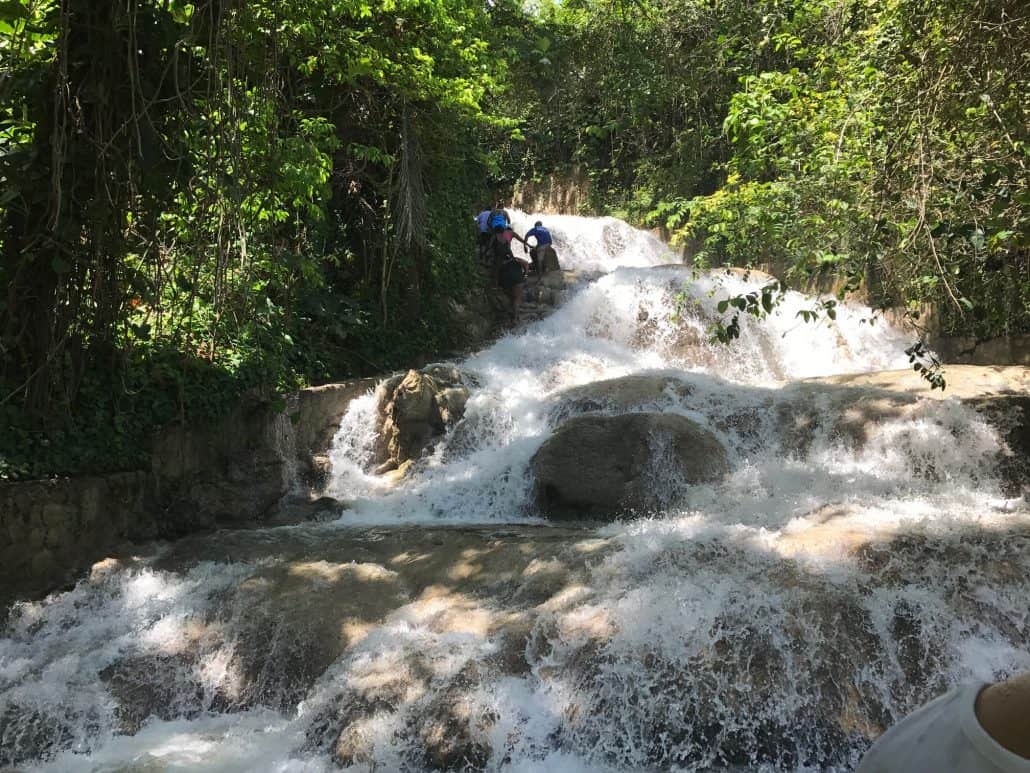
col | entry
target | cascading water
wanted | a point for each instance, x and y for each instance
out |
(858, 557)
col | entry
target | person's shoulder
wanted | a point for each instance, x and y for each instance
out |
(931, 734)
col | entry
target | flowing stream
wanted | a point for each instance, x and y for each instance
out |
(775, 620)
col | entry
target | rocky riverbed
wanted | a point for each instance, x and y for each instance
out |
(766, 555)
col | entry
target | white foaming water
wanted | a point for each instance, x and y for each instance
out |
(853, 563)
(596, 244)
(630, 320)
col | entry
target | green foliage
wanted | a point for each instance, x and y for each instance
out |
(758, 304)
(926, 364)
(884, 144)
(258, 195)
(199, 200)
(880, 165)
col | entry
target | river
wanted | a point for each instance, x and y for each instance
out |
(777, 619)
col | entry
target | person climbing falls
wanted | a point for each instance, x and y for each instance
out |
(539, 252)
(509, 272)
(499, 219)
(483, 236)
(509, 235)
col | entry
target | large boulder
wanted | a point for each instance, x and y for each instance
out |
(416, 409)
(549, 259)
(598, 466)
(620, 395)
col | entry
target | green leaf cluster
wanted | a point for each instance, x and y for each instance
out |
(874, 145)
(202, 199)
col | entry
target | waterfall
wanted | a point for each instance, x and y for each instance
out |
(859, 557)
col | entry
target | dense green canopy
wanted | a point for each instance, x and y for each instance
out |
(879, 142)
(199, 199)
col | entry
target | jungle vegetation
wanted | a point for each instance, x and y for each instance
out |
(207, 199)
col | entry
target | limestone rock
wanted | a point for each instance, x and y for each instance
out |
(555, 280)
(315, 415)
(549, 260)
(605, 466)
(103, 570)
(622, 394)
(414, 416)
(416, 410)
(999, 393)
(749, 274)
(966, 382)
(452, 402)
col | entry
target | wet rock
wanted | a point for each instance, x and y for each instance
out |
(1011, 415)
(605, 466)
(162, 686)
(296, 620)
(104, 570)
(300, 509)
(413, 416)
(28, 735)
(747, 274)
(453, 736)
(966, 382)
(393, 472)
(861, 401)
(619, 395)
(549, 261)
(239, 469)
(553, 279)
(452, 402)
(315, 415)
(416, 409)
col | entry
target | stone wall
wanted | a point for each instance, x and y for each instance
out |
(51, 530)
(234, 472)
(1009, 350)
(315, 416)
(566, 194)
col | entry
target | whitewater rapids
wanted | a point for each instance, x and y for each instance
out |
(776, 620)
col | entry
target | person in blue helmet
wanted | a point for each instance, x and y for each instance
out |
(543, 243)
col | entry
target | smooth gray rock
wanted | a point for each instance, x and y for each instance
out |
(601, 467)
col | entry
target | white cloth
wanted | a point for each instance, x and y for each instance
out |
(944, 735)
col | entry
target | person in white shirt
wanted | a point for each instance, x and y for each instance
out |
(975, 728)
